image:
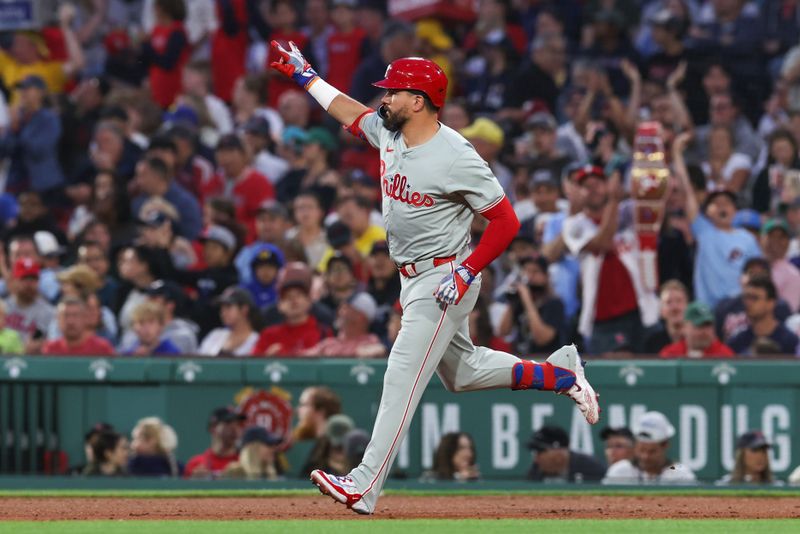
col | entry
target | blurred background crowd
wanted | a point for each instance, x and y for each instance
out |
(165, 193)
(238, 450)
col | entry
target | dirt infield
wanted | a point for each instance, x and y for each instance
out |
(402, 507)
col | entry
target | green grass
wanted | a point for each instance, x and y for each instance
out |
(417, 526)
(433, 492)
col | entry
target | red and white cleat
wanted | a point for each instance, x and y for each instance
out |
(341, 489)
(582, 391)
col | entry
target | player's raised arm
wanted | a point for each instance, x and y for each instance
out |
(292, 64)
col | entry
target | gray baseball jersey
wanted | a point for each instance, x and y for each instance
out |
(430, 191)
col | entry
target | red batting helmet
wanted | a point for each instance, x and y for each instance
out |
(416, 73)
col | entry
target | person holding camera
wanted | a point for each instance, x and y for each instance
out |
(534, 314)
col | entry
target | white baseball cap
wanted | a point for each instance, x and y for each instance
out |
(653, 427)
(364, 303)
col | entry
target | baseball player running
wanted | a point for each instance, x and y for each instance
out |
(433, 182)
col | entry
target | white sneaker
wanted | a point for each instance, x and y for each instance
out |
(341, 489)
(582, 392)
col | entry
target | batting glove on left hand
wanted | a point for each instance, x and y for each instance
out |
(291, 63)
(453, 286)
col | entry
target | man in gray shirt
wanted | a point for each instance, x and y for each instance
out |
(27, 311)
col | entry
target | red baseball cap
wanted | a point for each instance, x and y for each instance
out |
(25, 267)
(588, 171)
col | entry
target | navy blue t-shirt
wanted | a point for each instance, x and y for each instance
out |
(742, 343)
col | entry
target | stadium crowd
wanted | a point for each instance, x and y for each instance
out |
(238, 450)
(166, 193)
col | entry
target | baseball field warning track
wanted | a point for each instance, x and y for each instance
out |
(401, 507)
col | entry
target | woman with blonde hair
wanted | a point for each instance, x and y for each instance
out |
(153, 449)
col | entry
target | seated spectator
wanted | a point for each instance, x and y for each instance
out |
(264, 267)
(674, 297)
(82, 282)
(10, 340)
(384, 281)
(23, 246)
(354, 212)
(148, 320)
(487, 137)
(89, 440)
(699, 339)
(77, 337)
(246, 185)
(272, 226)
(341, 280)
(722, 249)
(27, 311)
(219, 248)
(534, 316)
(618, 443)
(225, 427)
(730, 316)
(455, 459)
(138, 267)
(553, 461)
(770, 184)
(329, 452)
(154, 179)
(180, 331)
(760, 297)
(259, 141)
(31, 142)
(259, 458)
(315, 406)
(481, 330)
(353, 338)
(153, 447)
(299, 330)
(724, 168)
(751, 464)
(309, 233)
(775, 239)
(650, 463)
(109, 455)
(240, 318)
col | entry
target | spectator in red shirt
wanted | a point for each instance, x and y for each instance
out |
(299, 330)
(236, 179)
(228, 46)
(283, 18)
(699, 340)
(347, 45)
(76, 338)
(354, 339)
(167, 51)
(225, 427)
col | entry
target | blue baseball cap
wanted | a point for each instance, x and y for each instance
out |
(747, 219)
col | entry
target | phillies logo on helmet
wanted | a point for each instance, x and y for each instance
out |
(398, 188)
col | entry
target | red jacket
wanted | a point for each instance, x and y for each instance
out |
(292, 339)
(249, 192)
(166, 82)
(229, 52)
(717, 349)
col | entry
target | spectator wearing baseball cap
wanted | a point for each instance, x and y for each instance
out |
(299, 330)
(225, 427)
(775, 238)
(615, 304)
(553, 461)
(618, 444)
(354, 213)
(266, 262)
(27, 311)
(241, 321)
(487, 137)
(650, 463)
(722, 250)
(547, 148)
(751, 463)
(699, 339)
(219, 247)
(258, 457)
(236, 178)
(182, 332)
(329, 450)
(259, 139)
(760, 298)
(353, 338)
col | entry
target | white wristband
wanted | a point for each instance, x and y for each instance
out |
(323, 92)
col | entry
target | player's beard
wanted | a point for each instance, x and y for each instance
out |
(392, 121)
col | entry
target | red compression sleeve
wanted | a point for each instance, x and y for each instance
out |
(503, 227)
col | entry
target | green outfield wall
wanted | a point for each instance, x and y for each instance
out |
(47, 404)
